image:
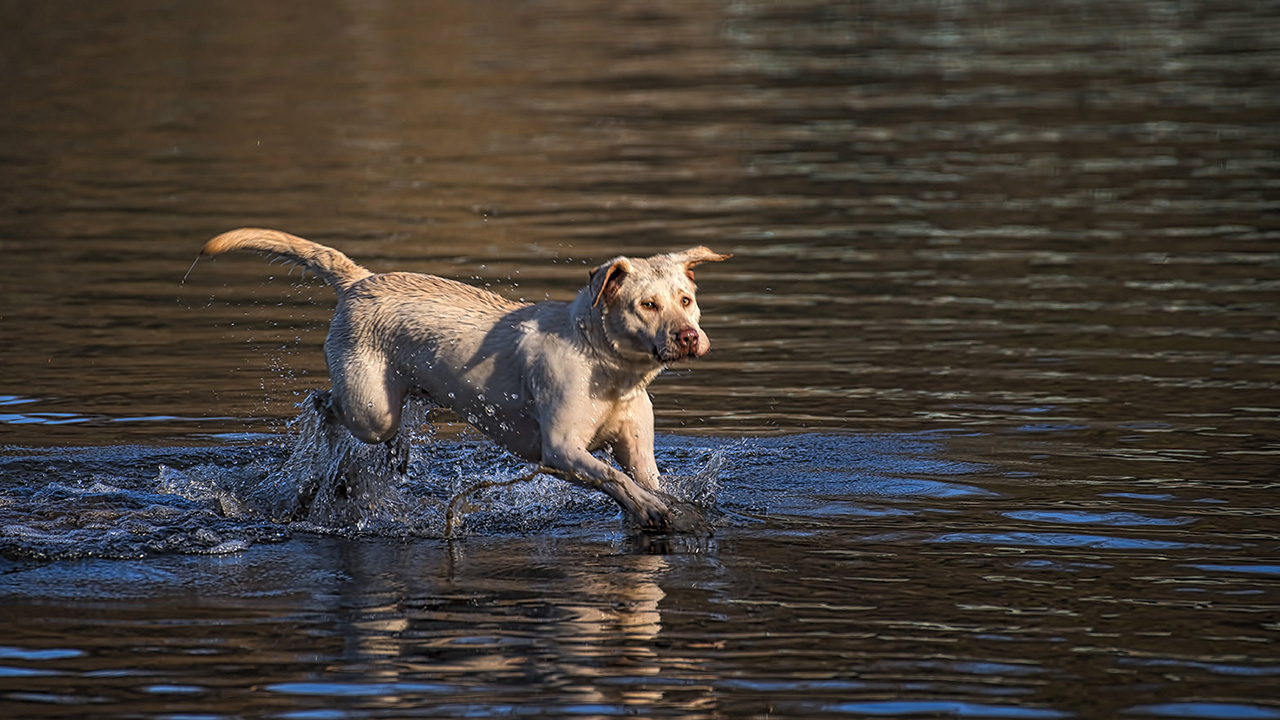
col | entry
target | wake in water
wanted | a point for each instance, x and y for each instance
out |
(138, 501)
(331, 481)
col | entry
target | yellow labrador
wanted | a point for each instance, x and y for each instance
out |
(551, 381)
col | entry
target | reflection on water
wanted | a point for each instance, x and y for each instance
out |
(990, 422)
(866, 575)
(807, 615)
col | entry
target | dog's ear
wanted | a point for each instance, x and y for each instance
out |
(606, 279)
(697, 256)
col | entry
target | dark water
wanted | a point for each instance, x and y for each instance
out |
(990, 428)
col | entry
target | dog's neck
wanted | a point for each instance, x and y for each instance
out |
(621, 374)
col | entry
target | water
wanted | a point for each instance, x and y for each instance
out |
(989, 427)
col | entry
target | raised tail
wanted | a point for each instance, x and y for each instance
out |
(336, 269)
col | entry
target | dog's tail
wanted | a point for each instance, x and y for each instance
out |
(336, 269)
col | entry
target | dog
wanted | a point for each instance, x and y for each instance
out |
(552, 382)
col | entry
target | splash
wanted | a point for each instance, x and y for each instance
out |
(329, 479)
(128, 502)
(101, 519)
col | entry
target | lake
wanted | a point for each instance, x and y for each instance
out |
(990, 427)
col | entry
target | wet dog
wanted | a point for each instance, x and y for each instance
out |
(553, 382)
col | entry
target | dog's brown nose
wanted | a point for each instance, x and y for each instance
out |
(688, 340)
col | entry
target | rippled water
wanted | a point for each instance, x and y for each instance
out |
(990, 427)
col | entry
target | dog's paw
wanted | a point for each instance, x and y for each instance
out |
(672, 515)
(655, 517)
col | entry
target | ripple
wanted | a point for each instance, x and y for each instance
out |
(950, 708)
(1242, 568)
(359, 689)
(1210, 710)
(1119, 519)
(1067, 540)
(17, 653)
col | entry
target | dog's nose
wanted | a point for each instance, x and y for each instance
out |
(688, 340)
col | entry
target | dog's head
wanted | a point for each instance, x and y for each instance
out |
(649, 307)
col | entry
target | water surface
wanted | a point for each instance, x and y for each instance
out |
(989, 427)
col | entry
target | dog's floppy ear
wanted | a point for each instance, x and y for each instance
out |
(697, 256)
(606, 279)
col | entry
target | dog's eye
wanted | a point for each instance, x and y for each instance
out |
(686, 301)
(649, 304)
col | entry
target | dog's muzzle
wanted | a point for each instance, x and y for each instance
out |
(685, 344)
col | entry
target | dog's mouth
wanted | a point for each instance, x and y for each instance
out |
(667, 358)
(668, 355)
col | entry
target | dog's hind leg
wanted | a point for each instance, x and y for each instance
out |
(368, 397)
(398, 451)
(322, 402)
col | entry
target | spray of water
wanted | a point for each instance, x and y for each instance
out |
(330, 480)
(412, 485)
(139, 501)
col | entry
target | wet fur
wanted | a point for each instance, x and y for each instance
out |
(551, 381)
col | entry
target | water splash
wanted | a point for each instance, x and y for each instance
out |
(411, 485)
(68, 520)
(330, 480)
(127, 502)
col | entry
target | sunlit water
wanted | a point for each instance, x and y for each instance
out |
(990, 426)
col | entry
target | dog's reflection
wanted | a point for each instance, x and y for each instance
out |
(555, 634)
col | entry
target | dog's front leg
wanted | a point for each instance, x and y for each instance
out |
(632, 444)
(575, 464)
